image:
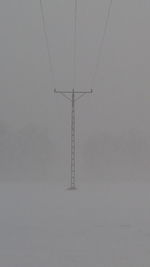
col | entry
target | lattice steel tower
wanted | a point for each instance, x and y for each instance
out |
(73, 99)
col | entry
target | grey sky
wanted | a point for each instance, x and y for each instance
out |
(122, 95)
(122, 88)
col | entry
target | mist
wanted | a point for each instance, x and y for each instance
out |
(105, 222)
(113, 130)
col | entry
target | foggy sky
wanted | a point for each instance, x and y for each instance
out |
(120, 103)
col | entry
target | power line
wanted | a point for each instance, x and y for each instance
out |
(100, 49)
(47, 44)
(75, 45)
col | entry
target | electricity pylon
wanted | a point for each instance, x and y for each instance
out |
(71, 96)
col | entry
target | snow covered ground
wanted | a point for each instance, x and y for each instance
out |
(101, 225)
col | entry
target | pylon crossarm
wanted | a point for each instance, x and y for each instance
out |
(62, 93)
(73, 91)
(77, 98)
(67, 97)
(83, 94)
(65, 92)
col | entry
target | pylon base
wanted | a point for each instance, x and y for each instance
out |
(72, 188)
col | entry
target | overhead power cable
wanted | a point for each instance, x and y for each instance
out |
(101, 44)
(51, 69)
(75, 45)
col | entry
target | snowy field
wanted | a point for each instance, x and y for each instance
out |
(101, 225)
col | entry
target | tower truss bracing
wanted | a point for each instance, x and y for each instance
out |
(73, 96)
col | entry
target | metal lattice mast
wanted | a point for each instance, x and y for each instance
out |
(73, 99)
(73, 142)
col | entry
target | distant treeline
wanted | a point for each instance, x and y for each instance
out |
(27, 151)
(30, 153)
(121, 156)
